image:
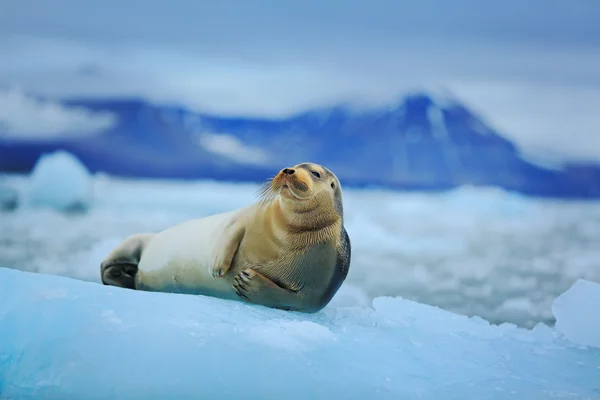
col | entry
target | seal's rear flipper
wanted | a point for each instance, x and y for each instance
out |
(121, 265)
(122, 275)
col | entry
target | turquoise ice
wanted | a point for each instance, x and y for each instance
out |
(62, 338)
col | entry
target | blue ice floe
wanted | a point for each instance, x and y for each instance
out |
(61, 338)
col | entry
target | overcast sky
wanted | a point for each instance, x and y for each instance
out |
(531, 68)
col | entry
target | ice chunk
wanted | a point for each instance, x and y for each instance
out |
(9, 198)
(577, 315)
(59, 180)
(69, 339)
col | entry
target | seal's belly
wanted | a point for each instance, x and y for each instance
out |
(180, 259)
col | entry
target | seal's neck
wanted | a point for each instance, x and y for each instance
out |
(313, 220)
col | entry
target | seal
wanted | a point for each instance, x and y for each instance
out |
(288, 250)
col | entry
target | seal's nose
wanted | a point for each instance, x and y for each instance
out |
(289, 171)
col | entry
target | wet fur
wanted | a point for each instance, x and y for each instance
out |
(278, 252)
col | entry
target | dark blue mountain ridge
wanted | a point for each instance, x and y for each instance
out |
(418, 143)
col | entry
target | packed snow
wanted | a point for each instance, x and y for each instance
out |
(62, 338)
(59, 180)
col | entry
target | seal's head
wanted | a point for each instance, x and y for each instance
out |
(309, 191)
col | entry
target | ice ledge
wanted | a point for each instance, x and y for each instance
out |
(69, 339)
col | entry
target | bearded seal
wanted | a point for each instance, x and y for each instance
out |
(288, 250)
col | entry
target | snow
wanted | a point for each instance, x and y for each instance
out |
(69, 339)
(437, 121)
(451, 295)
(229, 146)
(59, 180)
(577, 314)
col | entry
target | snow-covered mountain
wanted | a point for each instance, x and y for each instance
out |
(418, 143)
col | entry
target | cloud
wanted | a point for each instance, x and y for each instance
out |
(555, 121)
(534, 75)
(534, 97)
(295, 25)
(25, 117)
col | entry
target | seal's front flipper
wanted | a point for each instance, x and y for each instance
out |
(229, 242)
(257, 288)
(121, 265)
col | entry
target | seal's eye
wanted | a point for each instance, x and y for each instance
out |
(332, 185)
(315, 173)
